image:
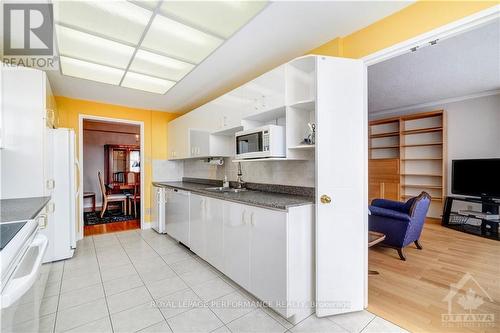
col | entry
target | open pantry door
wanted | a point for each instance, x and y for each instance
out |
(341, 185)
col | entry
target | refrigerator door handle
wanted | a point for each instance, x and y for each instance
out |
(77, 164)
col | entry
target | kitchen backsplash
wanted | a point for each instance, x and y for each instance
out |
(297, 173)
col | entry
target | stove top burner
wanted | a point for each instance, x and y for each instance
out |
(9, 231)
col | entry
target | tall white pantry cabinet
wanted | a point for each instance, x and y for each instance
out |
(28, 113)
(331, 93)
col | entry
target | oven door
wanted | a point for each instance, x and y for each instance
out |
(250, 145)
(23, 293)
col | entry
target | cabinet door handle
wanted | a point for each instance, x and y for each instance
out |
(243, 217)
(251, 219)
(51, 183)
(51, 207)
(42, 221)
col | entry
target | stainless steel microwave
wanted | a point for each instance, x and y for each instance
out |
(262, 142)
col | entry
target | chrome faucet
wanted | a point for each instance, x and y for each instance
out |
(239, 179)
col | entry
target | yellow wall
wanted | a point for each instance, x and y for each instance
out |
(416, 19)
(155, 130)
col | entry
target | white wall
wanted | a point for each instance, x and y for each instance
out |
(93, 157)
(473, 128)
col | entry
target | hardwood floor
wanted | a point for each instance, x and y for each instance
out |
(411, 293)
(97, 229)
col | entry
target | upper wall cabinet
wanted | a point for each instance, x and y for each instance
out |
(284, 96)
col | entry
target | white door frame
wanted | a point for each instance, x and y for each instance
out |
(446, 31)
(83, 117)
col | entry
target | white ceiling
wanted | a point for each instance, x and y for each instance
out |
(463, 65)
(282, 31)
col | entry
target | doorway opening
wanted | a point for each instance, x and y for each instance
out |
(111, 155)
(435, 103)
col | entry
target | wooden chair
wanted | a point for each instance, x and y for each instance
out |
(134, 198)
(107, 198)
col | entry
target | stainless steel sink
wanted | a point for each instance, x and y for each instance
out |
(225, 189)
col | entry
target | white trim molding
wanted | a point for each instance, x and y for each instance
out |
(446, 31)
(81, 118)
(376, 114)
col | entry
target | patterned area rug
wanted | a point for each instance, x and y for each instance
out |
(93, 218)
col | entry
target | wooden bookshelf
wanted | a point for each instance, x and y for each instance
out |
(417, 142)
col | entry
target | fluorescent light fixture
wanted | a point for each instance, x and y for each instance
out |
(154, 64)
(146, 83)
(147, 45)
(90, 71)
(221, 18)
(76, 44)
(119, 20)
(178, 40)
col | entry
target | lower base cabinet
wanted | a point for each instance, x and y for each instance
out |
(268, 260)
(236, 245)
(214, 232)
(206, 224)
(267, 252)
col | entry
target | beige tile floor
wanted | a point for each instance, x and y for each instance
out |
(141, 281)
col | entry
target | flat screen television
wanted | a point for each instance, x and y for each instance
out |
(478, 178)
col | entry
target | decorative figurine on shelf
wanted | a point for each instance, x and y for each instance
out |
(311, 138)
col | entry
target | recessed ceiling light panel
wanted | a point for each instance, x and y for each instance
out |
(178, 40)
(147, 45)
(146, 83)
(154, 64)
(222, 18)
(76, 44)
(90, 71)
(120, 20)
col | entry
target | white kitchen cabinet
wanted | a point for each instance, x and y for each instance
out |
(214, 221)
(171, 140)
(206, 229)
(197, 225)
(268, 256)
(178, 139)
(236, 243)
(27, 161)
(199, 143)
(267, 252)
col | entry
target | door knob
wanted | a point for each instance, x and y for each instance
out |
(325, 199)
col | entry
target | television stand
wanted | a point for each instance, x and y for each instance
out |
(484, 223)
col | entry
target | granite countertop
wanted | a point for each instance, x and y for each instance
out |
(271, 200)
(21, 209)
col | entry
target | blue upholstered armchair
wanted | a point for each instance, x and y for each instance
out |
(401, 222)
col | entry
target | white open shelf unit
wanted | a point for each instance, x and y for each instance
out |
(284, 96)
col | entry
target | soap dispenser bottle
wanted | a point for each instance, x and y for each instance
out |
(225, 183)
